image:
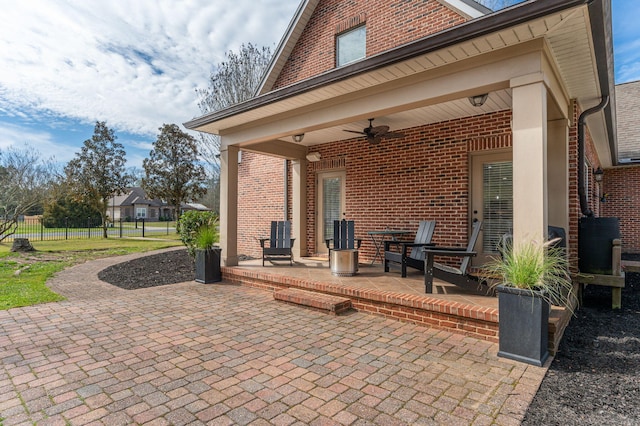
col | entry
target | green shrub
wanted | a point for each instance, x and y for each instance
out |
(194, 225)
(206, 237)
(537, 267)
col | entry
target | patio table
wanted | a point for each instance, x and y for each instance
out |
(377, 237)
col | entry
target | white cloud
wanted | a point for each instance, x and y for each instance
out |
(133, 64)
(19, 137)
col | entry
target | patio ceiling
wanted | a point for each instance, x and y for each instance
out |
(497, 101)
(566, 35)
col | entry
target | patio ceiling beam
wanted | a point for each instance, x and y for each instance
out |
(277, 148)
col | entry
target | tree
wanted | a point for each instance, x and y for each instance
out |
(24, 182)
(233, 81)
(136, 174)
(62, 210)
(97, 172)
(172, 172)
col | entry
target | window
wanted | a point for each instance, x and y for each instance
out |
(141, 212)
(497, 203)
(351, 46)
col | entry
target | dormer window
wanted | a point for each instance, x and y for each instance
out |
(351, 45)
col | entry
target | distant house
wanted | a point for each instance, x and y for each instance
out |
(135, 205)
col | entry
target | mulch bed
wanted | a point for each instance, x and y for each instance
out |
(595, 377)
(172, 267)
(593, 380)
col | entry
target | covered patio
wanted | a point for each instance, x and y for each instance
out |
(535, 88)
(486, 117)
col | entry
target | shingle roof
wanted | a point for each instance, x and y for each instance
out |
(628, 121)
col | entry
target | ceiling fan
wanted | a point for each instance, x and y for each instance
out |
(375, 134)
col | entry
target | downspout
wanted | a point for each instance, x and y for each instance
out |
(286, 189)
(584, 207)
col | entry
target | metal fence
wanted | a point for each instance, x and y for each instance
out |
(35, 230)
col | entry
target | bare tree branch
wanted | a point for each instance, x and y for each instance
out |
(233, 81)
(24, 182)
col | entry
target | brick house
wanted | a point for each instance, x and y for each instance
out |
(488, 105)
(134, 204)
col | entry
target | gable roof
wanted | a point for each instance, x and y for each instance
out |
(628, 109)
(468, 8)
(136, 195)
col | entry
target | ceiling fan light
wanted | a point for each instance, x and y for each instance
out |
(478, 100)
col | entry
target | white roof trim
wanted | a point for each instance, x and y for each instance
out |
(286, 45)
(468, 8)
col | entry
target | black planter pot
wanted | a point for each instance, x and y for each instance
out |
(208, 265)
(523, 325)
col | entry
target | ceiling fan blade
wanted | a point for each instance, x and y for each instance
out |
(375, 140)
(379, 130)
(354, 131)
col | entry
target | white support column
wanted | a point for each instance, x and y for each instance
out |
(299, 207)
(229, 205)
(530, 198)
(558, 173)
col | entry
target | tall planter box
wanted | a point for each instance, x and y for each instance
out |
(208, 265)
(523, 326)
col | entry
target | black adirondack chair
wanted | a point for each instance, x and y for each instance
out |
(458, 276)
(402, 257)
(344, 237)
(280, 242)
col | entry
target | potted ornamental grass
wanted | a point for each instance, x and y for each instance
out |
(199, 232)
(530, 277)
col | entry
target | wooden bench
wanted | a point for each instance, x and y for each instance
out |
(631, 266)
(319, 301)
(615, 280)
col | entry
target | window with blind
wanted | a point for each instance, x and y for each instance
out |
(497, 180)
(331, 193)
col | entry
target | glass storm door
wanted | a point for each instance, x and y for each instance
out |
(331, 206)
(492, 201)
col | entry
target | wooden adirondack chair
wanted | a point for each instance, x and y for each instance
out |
(343, 237)
(450, 274)
(401, 256)
(280, 242)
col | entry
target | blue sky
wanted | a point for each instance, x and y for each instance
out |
(136, 65)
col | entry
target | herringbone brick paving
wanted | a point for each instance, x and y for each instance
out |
(220, 354)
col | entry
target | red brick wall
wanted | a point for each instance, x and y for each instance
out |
(622, 186)
(260, 199)
(423, 176)
(592, 189)
(389, 24)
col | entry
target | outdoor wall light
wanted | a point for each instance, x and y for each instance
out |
(597, 174)
(298, 138)
(478, 100)
(314, 156)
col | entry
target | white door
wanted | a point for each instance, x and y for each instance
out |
(331, 206)
(491, 201)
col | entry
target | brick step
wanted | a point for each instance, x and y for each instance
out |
(319, 301)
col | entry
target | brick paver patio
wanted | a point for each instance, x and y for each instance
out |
(220, 354)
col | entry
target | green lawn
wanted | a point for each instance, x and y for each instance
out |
(23, 275)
